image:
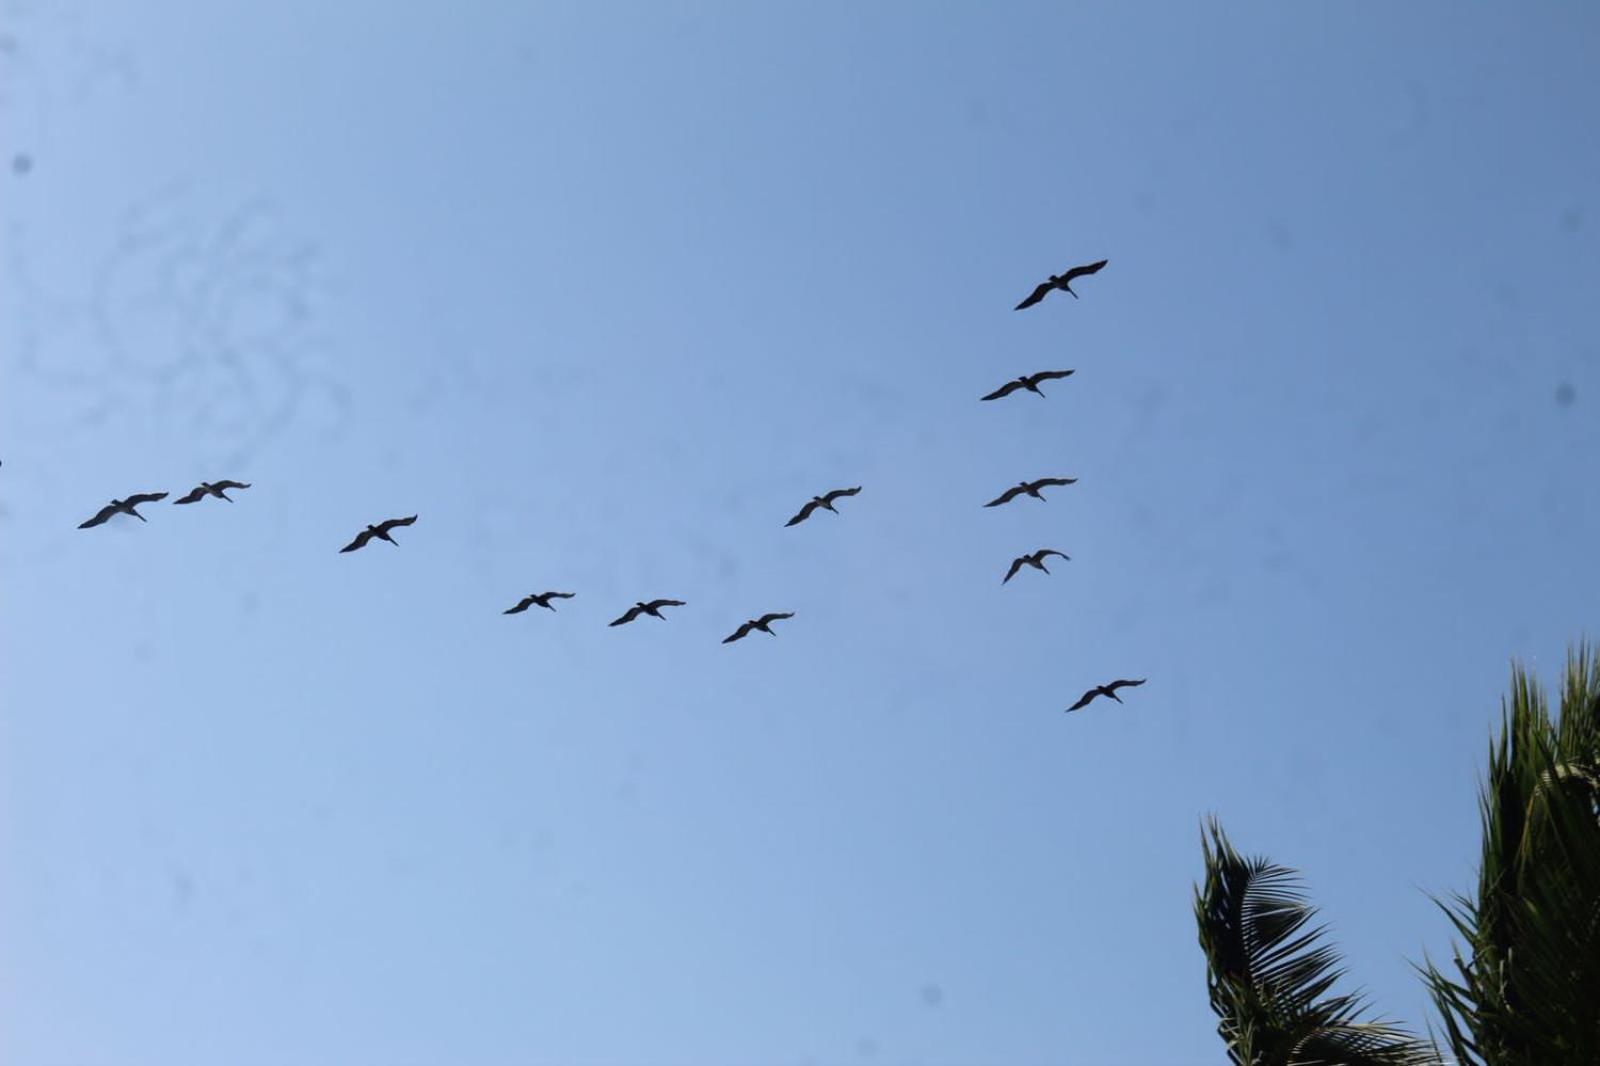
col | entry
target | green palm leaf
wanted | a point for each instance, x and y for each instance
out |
(1271, 974)
(1525, 988)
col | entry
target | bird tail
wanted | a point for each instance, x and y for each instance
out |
(137, 515)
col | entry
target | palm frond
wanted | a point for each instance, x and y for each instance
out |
(1524, 988)
(1271, 974)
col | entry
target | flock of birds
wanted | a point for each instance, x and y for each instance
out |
(1029, 382)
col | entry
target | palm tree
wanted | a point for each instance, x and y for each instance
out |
(1270, 973)
(1526, 987)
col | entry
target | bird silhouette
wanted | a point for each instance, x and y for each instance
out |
(206, 488)
(381, 531)
(1062, 282)
(821, 501)
(1036, 560)
(653, 608)
(541, 598)
(1104, 690)
(1029, 382)
(123, 507)
(1031, 488)
(764, 623)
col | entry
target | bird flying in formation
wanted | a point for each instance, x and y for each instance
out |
(1036, 560)
(1104, 690)
(764, 623)
(821, 501)
(1031, 488)
(381, 531)
(124, 507)
(542, 599)
(1062, 282)
(1027, 381)
(206, 488)
(653, 608)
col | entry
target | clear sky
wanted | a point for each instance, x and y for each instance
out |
(603, 293)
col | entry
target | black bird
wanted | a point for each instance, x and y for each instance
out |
(1104, 690)
(1036, 560)
(653, 608)
(821, 501)
(381, 531)
(123, 507)
(206, 488)
(1029, 382)
(542, 599)
(1031, 488)
(1062, 282)
(764, 623)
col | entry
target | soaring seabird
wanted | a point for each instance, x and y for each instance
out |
(1104, 690)
(821, 501)
(1060, 281)
(1029, 382)
(541, 598)
(1036, 560)
(653, 608)
(764, 623)
(123, 507)
(206, 488)
(381, 531)
(1031, 488)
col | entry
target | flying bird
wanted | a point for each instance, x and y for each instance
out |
(1036, 560)
(123, 507)
(381, 531)
(1062, 282)
(1029, 382)
(1104, 690)
(764, 623)
(653, 608)
(206, 488)
(542, 599)
(1031, 488)
(821, 501)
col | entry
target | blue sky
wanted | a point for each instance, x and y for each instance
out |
(603, 293)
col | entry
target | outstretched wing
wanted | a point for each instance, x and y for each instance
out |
(559, 595)
(1004, 390)
(768, 619)
(1016, 564)
(1084, 700)
(395, 522)
(805, 513)
(628, 616)
(105, 512)
(360, 541)
(1124, 684)
(1050, 375)
(144, 497)
(1035, 296)
(523, 605)
(1083, 271)
(231, 485)
(658, 604)
(1005, 497)
(837, 493)
(1044, 553)
(1046, 482)
(194, 495)
(738, 634)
